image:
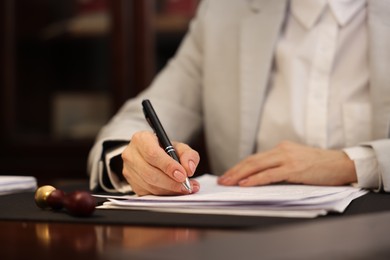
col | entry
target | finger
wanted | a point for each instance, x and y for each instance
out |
(269, 176)
(150, 180)
(251, 165)
(166, 186)
(178, 189)
(195, 186)
(189, 158)
(150, 150)
(173, 188)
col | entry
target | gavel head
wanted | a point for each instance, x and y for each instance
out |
(49, 197)
(77, 203)
(41, 195)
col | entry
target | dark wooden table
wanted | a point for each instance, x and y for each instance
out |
(27, 232)
(46, 240)
(352, 237)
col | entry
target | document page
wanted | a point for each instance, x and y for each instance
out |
(272, 200)
(12, 184)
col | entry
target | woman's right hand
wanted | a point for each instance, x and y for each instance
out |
(149, 170)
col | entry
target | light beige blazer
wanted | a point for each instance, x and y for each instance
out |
(217, 81)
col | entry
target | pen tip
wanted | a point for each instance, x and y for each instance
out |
(187, 185)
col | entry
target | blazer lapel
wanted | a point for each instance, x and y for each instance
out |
(259, 33)
(379, 58)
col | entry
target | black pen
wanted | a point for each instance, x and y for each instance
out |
(162, 136)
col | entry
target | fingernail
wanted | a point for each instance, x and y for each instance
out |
(192, 167)
(179, 176)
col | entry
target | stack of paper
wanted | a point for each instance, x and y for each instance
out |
(273, 200)
(13, 184)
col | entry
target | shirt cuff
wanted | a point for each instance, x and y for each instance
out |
(119, 185)
(366, 166)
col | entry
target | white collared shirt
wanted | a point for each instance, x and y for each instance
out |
(319, 89)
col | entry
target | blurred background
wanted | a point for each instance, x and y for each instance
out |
(66, 66)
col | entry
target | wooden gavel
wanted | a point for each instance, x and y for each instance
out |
(77, 203)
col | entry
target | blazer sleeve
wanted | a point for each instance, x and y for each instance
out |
(176, 96)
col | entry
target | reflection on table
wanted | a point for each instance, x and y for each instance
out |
(62, 240)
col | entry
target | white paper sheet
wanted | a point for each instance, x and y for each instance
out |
(272, 200)
(12, 184)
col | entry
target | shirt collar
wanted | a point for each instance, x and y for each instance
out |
(345, 10)
(307, 12)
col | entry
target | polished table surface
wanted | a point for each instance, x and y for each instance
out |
(26, 232)
(356, 237)
(46, 240)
